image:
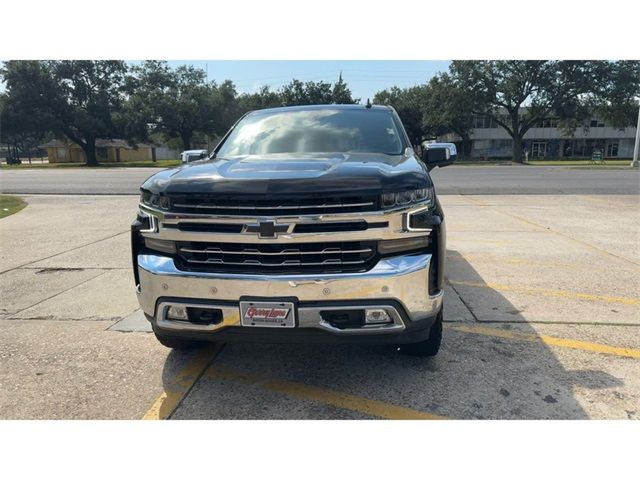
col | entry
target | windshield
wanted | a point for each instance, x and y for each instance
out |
(314, 131)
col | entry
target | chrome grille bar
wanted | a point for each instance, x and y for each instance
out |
(286, 263)
(273, 207)
(326, 251)
(268, 257)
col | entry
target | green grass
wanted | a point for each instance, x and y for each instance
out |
(461, 162)
(572, 163)
(10, 205)
(589, 163)
(148, 163)
(491, 161)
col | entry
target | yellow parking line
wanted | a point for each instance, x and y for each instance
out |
(170, 398)
(547, 293)
(555, 341)
(466, 238)
(517, 261)
(550, 230)
(303, 391)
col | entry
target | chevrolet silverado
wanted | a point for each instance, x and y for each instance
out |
(308, 224)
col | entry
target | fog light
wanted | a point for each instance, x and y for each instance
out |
(376, 315)
(177, 313)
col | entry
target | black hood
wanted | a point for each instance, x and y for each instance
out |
(294, 174)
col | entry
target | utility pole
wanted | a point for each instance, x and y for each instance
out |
(634, 162)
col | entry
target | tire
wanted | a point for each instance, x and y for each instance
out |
(428, 347)
(178, 343)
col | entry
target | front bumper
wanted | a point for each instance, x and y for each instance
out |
(399, 285)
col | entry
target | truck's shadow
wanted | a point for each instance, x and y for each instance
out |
(473, 376)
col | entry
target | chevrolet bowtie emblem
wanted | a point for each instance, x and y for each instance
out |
(267, 229)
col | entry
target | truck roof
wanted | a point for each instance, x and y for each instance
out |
(325, 107)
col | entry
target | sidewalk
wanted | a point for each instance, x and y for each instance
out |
(541, 303)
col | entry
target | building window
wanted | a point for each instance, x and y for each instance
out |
(61, 153)
(584, 147)
(596, 123)
(481, 121)
(538, 149)
(567, 148)
(612, 149)
(481, 144)
(547, 123)
(501, 144)
(595, 144)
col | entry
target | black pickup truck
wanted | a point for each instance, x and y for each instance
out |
(309, 224)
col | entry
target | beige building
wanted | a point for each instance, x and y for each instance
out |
(106, 151)
(548, 140)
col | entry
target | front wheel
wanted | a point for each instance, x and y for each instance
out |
(428, 347)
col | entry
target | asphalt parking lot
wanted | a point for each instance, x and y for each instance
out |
(542, 314)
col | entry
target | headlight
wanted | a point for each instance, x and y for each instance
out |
(154, 200)
(408, 197)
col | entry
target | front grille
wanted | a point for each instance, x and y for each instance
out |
(309, 227)
(215, 205)
(325, 257)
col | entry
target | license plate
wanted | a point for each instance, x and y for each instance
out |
(267, 314)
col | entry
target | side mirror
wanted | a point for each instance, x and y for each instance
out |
(439, 154)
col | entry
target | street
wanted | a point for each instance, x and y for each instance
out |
(542, 316)
(467, 180)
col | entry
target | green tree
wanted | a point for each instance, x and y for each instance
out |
(307, 93)
(23, 126)
(226, 107)
(408, 102)
(88, 100)
(341, 94)
(502, 89)
(79, 99)
(618, 87)
(263, 98)
(448, 108)
(180, 102)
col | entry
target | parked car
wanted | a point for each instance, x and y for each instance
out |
(193, 155)
(307, 224)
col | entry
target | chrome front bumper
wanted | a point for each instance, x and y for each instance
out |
(399, 284)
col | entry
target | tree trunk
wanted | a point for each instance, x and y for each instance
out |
(466, 146)
(186, 140)
(89, 148)
(16, 154)
(517, 149)
(517, 138)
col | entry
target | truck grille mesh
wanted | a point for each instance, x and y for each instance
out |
(326, 257)
(214, 205)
